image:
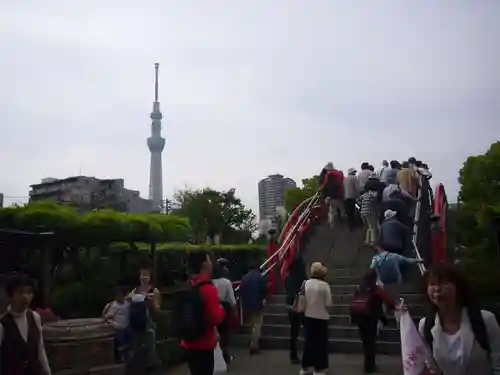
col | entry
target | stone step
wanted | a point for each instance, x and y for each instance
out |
(335, 319)
(354, 272)
(338, 309)
(335, 345)
(405, 288)
(389, 334)
(410, 298)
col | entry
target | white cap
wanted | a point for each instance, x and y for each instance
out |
(388, 214)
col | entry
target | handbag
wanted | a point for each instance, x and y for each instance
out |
(299, 303)
(360, 303)
(220, 365)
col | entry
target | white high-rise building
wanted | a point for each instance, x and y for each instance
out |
(272, 194)
(156, 144)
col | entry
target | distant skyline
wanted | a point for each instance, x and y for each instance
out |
(248, 89)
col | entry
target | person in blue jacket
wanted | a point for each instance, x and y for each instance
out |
(394, 235)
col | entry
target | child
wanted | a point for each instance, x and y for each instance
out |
(26, 356)
(117, 313)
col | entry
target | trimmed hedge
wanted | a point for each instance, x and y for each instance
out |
(85, 282)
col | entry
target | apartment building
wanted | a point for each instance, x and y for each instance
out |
(272, 194)
(90, 192)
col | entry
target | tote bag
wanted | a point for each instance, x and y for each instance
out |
(220, 365)
(299, 303)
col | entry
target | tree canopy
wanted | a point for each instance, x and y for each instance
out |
(216, 215)
(95, 227)
(479, 214)
(295, 196)
(480, 194)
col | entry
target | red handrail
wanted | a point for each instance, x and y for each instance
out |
(439, 236)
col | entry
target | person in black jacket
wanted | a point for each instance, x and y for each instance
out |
(296, 276)
(367, 321)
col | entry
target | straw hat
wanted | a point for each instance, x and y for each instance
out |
(318, 270)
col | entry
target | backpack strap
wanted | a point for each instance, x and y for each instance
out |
(479, 328)
(428, 325)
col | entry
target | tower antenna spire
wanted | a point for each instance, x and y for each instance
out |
(156, 143)
(157, 67)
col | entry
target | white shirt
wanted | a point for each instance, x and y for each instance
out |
(318, 298)
(119, 313)
(351, 186)
(454, 347)
(383, 173)
(22, 324)
(225, 290)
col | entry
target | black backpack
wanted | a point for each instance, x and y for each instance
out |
(189, 312)
(477, 325)
(138, 314)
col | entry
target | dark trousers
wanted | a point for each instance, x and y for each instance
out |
(295, 320)
(350, 211)
(122, 340)
(224, 330)
(368, 332)
(200, 362)
(316, 344)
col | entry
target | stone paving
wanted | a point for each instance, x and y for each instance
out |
(275, 362)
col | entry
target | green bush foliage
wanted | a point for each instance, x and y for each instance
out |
(84, 284)
(478, 221)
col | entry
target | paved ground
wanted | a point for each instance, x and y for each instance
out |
(277, 363)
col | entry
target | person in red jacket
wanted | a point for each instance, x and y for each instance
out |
(332, 191)
(200, 352)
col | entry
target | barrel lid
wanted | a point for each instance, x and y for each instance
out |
(77, 329)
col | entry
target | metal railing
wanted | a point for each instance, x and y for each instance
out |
(275, 258)
(416, 220)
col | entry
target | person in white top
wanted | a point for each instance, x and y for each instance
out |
(228, 302)
(20, 320)
(117, 313)
(463, 338)
(318, 299)
(384, 172)
(351, 192)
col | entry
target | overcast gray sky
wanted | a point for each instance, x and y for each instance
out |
(247, 88)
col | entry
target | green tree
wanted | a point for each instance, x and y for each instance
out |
(214, 214)
(295, 196)
(478, 217)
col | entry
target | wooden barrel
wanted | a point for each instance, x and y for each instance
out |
(79, 344)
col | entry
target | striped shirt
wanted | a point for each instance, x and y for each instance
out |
(367, 202)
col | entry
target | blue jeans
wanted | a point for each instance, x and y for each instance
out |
(122, 339)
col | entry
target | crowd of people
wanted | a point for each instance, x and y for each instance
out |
(462, 337)
(388, 194)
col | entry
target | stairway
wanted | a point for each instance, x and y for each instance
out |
(341, 251)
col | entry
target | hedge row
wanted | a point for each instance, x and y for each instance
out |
(84, 283)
